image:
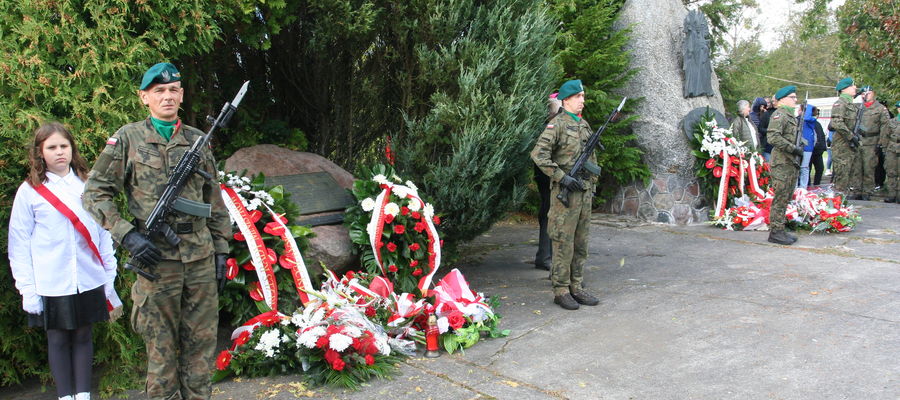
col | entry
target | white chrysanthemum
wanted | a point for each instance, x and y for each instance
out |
(400, 191)
(221, 174)
(370, 229)
(339, 341)
(429, 210)
(245, 179)
(414, 205)
(352, 331)
(392, 209)
(412, 186)
(309, 338)
(381, 179)
(269, 342)
(245, 188)
(383, 346)
(368, 204)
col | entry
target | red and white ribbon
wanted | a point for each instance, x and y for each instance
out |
(723, 185)
(297, 267)
(255, 244)
(452, 293)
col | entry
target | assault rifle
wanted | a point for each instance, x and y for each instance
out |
(584, 168)
(856, 136)
(188, 165)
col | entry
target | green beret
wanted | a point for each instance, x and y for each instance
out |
(570, 88)
(843, 84)
(864, 89)
(783, 92)
(160, 73)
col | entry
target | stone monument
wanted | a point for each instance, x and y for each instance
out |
(657, 47)
(331, 245)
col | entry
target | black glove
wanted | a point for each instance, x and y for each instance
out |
(571, 183)
(854, 142)
(798, 151)
(221, 266)
(141, 249)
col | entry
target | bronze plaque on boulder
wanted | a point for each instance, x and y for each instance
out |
(314, 192)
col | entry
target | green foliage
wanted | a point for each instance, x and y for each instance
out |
(723, 15)
(588, 48)
(484, 70)
(470, 333)
(870, 44)
(81, 64)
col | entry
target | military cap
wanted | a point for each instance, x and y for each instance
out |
(783, 92)
(843, 84)
(570, 88)
(864, 89)
(160, 73)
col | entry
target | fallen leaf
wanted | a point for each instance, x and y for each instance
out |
(582, 384)
(511, 383)
(537, 312)
(419, 389)
(622, 262)
(814, 293)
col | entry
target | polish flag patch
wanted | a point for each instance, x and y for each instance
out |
(550, 126)
(112, 141)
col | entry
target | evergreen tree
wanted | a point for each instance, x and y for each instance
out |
(870, 45)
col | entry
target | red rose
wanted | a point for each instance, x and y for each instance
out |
(417, 272)
(404, 210)
(436, 220)
(456, 320)
(223, 360)
(711, 163)
(717, 172)
(322, 342)
(392, 268)
(391, 247)
(413, 263)
(416, 215)
(399, 229)
(420, 226)
(369, 359)
(350, 274)
(242, 339)
(338, 365)
(414, 246)
(370, 312)
(388, 218)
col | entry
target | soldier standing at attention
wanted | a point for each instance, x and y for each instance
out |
(874, 125)
(177, 314)
(555, 152)
(786, 156)
(844, 147)
(890, 144)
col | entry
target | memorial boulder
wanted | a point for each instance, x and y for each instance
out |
(318, 186)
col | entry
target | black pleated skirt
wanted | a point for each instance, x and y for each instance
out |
(72, 311)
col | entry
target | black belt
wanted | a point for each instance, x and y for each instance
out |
(180, 228)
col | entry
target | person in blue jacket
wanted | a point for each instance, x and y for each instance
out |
(808, 143)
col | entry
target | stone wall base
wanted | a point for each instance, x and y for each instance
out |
(668, 198)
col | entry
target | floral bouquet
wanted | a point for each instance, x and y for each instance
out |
(463, 316)
(266, 262)
(822, 210)
(394, 230)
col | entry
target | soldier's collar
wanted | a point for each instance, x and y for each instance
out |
(574, 116)
(846, 96)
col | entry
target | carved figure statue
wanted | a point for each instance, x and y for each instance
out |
(696, 64)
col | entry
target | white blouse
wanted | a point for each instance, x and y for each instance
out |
(47, 255)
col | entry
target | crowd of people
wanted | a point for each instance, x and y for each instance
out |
(860, 142)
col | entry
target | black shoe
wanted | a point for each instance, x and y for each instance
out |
(541, 265)
(566, 301)
(791, 236)
(890, 200)
(585, 298)
(780, 237)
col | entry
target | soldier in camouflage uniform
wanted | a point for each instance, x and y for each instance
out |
(555, 153)
(874, 125)
(177, 314)
(844, 147)
(890, 144)
(786, 157)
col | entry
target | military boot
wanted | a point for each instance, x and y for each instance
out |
(792, 236)
(585, 298)
(566, 301)
(780, 237)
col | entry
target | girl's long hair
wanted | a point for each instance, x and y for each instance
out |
(38, 173)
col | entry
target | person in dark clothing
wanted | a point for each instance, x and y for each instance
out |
(817, 161)
(763, 127)
(756, 111)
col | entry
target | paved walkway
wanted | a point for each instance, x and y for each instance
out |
(687, 313)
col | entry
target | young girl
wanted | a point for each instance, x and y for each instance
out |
(62, 261)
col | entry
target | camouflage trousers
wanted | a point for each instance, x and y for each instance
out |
(866, 161)
(568, 229)
(177, 316)
(892, 172)
(784, 180)
(842, 167)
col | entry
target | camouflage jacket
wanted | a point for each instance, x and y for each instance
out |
(875, 120)
(843, 120)
(137, 162)
(559, 146)
(782, 135)
(891, 140)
